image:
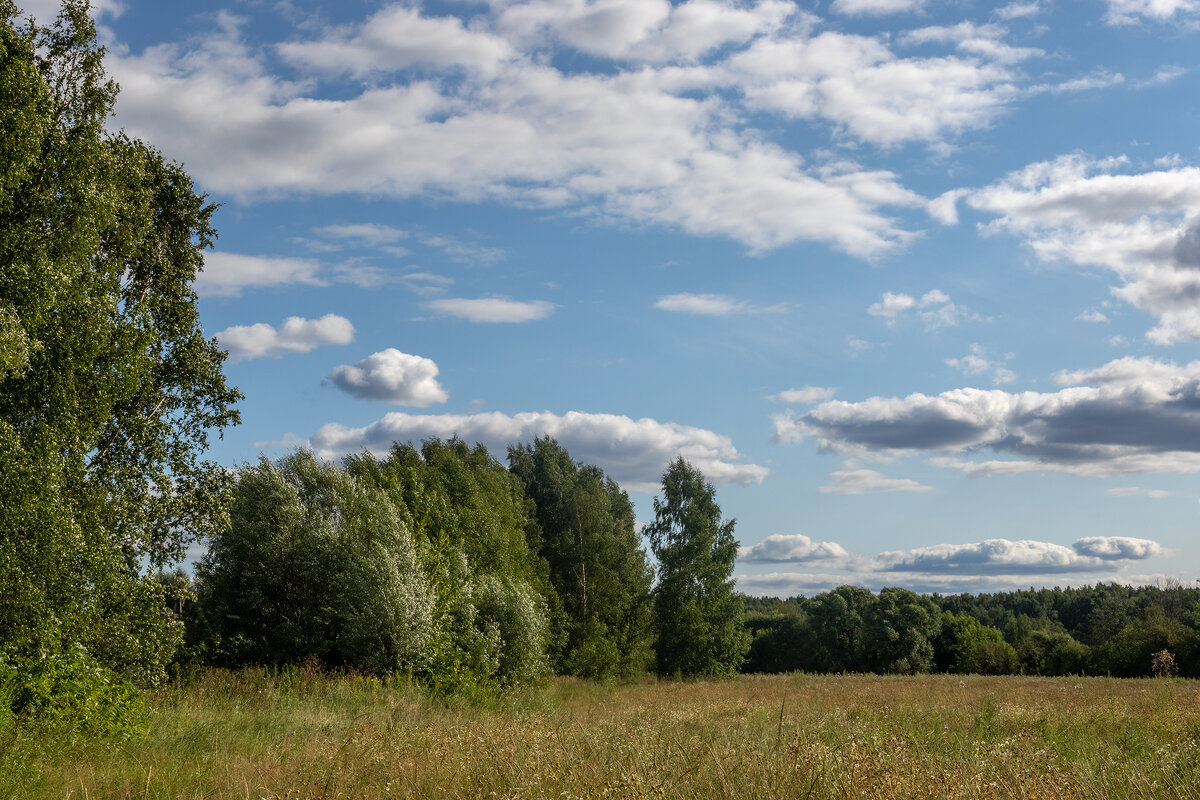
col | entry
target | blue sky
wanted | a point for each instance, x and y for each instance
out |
(915, 283)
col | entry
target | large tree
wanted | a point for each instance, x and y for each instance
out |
(698, 613)
(109, 389)
(598, 568)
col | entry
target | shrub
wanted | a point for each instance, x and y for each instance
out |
(69, 691)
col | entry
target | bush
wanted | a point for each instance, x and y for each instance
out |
(69, 692)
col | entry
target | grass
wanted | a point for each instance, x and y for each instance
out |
(252, 735)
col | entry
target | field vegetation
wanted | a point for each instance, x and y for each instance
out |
(300, 734)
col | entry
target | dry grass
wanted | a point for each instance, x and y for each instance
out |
(249, 735)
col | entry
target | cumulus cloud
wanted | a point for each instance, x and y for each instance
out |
(1005, 557)
(1130, 12)
(868, 481)
(806, 395)
(473, 108)
(492, 309)
(634, 452)
(793, 547)
(1093, 315)
(933, 308)
(1141, 226)
(1129, 416)
(861, 86)
(295, 335)
(393, 377)
(976, 362)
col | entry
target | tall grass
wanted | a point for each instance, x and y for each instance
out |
(249, 734)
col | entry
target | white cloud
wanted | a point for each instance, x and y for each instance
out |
(976, 362)
(461, 251)
(1018, 10)
(1129, 416)
(425, 283)
(398, 37)
(1137, 491)
(794, 547)
(45, 12)
(868, 481)
(1005, 557)
(636, 146)
(368, 233)
(492, 309)
(933, 308)
(295, 335)
(806, 395)
(229, 274)
(714, 305)
(643, 30)
(634, 452)
(875, 7)
(988, 565)
(1145, 228)
(1093, 315)
(891, 306)
(1130, 12)
(860, 86)
(393, 377)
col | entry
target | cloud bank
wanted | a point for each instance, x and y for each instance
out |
(1131, 415)
(988, 565)
(667, 120)
(634, 452)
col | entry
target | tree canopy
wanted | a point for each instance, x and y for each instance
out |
(109, 389)
(697, 613)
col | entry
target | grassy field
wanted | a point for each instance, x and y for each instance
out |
(252, 735)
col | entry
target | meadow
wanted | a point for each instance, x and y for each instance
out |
(253, 734)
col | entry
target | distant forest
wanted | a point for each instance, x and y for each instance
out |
(1106, 629)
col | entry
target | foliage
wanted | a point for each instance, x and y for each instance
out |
(899, 630)
(316, 563)
(108, 388)
(598, 570)
(472, 526)
(69, 692)
(697, 612)
(968, 647)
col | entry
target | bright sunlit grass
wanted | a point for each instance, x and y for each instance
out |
(251, 735)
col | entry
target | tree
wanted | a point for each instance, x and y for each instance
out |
(968, 647)
(108, 388)
(598, 569)
(900, 628)
(316, 563)
(698, 614)
(472, 527)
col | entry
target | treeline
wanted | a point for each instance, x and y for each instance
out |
(1106, 629)
(442, 564)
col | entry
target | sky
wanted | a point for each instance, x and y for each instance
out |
(915, 283)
